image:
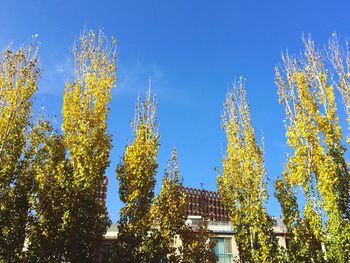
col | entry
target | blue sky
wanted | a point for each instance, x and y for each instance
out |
(192, 50)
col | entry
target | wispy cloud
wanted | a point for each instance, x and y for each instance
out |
(134, 79)
(55, 74)
(63, 67)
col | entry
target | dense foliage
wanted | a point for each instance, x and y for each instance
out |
(136, 175)
(68, 221)
(316, 166)
(49, 179)
(19, 74)
(168, 214)
(242, 185)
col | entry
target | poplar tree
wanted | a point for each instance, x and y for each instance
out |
(69, 221)
(316, 165)
(19, 74)
(168, 214)
(85, 113)
(136, 175)
(242, 184)
(49, 165)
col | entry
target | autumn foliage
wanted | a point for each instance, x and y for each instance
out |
(49, 177)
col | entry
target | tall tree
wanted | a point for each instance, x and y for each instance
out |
(317, 165)
(168, 215)
(69, 221)
(242, 185)
(85, 113)
(19, 74)
(50, 167)
(136, 175)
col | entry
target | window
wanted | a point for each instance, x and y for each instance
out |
(228, 245)
(223, 250)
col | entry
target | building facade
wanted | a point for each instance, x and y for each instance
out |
(206, 204)
(102, 191)
(203, 204)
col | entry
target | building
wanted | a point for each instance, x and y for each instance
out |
(202, 204)
(102, 192)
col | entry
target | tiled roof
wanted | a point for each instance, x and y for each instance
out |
(205, 203)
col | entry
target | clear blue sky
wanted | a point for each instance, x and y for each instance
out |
(192, 50)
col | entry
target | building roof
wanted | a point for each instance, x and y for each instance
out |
(205, 203)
